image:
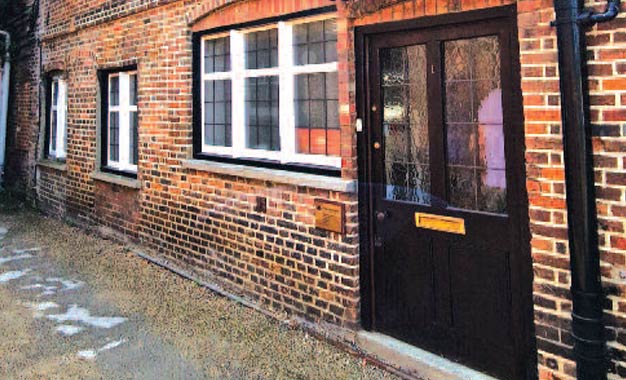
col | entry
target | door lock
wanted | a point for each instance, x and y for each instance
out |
(381, 215)
(378, 242)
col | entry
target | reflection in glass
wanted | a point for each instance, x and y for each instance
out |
(405, 124)
(476, 164)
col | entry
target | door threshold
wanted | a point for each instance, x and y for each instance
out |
(414, 361)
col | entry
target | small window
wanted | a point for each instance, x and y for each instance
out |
(271, 93)
(57, 120)
(121, 131)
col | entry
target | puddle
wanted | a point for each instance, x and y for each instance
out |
(79, 314)
(26, 250)
(69, 330)
(47, 289)
(4, 260)
(13, 275)
(67, 284)
(91, 354)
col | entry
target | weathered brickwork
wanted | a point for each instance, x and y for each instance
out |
(209, 221)
(51, 190)
(206, 221)
(24, 105)
(545, 181)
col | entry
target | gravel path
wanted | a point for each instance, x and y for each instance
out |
(75, 306)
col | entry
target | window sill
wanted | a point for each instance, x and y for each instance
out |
(273, 175)
(52, 164)
(120, 180)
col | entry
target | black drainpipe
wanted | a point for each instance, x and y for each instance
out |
(587, 295)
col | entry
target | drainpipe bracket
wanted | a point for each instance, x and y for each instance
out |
(589, 18)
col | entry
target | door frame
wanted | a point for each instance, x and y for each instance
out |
(523, 290)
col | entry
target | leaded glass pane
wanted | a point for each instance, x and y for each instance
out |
(133, 89)
(133, 138)
(114, 91)
(262, 113)
(114, 136)
(315, 42)
(476, 164)
(55, 92)
(262, 49)
(53, 130)
(217, 55)
(217, 113)
(405, 124)
(317, 114)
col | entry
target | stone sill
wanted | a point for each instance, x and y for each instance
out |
(273, 175)
(56, 165)
(116, 179)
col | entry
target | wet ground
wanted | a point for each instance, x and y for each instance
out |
(75, 306)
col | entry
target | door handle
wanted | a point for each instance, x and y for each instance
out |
(382, 215)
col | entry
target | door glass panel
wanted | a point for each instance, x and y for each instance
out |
(476, 166)
(405, 124)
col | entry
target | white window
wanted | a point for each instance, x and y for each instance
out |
(122, 123)
(271, 93)
(57, 119)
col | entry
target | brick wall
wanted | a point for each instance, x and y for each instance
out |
(546, 186)
(197, 218)
(208, 220)
(24, 92)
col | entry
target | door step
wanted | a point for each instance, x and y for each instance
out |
(414, 361)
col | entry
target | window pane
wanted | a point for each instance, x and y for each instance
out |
(474, 127)
(315, 42)
(217, 113)
(133, 138)
(405, 124)
(217, 55)
(262, 49)
(133, 89)
(262, 113)
(114, 91)
(53, 130)
(114, 136)
(55, 92)
(317, 114)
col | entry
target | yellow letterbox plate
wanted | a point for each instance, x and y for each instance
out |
(440, 223)
(329, 216)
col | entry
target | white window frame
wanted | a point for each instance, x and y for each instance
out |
(58, 151)
(286, 72)
(123, 109)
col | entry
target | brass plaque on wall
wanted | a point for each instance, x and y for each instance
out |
(329, 216)
(440, 223)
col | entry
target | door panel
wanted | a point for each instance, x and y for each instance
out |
(442, 135)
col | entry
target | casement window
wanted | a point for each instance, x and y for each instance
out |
(57, 119)
(120, 150)
(270, 93)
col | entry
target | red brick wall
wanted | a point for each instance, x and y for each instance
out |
(51, 191)
(23, 101)
(194, 217)
(278, 258)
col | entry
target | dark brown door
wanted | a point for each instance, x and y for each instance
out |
(446, 208)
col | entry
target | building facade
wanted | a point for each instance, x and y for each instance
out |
(395, 166)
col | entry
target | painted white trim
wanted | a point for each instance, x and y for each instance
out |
(60, 124)
(124, 110)
(285, 72)
(61, 119)
(286, 93)
(238, 93)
